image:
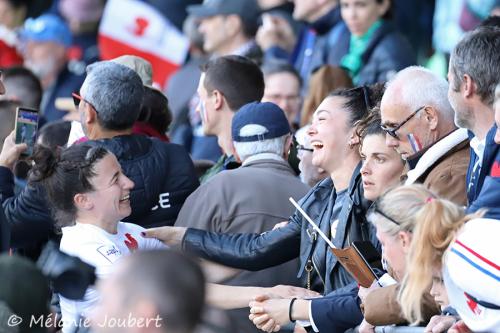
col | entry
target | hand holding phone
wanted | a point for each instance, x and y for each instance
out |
(11, 151)
(26, 128)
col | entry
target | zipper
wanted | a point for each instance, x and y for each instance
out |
(317, 272)
(310, 264)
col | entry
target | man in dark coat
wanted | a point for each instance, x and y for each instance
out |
(109, 103)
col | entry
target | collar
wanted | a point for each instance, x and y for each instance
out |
(367, 36)
(243, 49)
(148, 130)
(435, 152)
(478, 147)
(262, 156)
(229, 162)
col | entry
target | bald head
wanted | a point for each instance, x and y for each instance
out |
(417, 86)
(416, 111)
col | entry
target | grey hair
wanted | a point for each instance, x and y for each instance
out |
(246, 149)
(116, 92)
(478, 56)
(417, 86)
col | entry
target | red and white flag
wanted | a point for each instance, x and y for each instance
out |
(135, 27)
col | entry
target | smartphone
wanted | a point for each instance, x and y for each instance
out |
(369, 254)
(26, 128)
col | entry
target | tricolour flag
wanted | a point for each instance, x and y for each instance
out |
(135, 27)
(415, 143)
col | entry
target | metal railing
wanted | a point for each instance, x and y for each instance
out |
(399, 329)
(393, 329)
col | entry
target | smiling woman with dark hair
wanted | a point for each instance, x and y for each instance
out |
(336, 204)
(90, 196)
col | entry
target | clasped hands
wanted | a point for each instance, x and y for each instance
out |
(270, 312)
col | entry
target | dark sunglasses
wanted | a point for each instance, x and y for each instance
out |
(77, 100)
(301, 147)
(392, 131)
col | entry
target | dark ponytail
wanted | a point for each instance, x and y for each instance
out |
(45, 163)
(360, 100)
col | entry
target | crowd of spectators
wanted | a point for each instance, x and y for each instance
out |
(164, 206)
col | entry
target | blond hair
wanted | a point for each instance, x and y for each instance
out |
(437, 223)
(400, 204)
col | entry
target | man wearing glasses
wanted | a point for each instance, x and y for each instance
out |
(418, 121)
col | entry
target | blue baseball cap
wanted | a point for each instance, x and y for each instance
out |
(47, 28)
(268, 115)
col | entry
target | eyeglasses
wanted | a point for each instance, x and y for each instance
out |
(301, 147)
(392, 131)
(77, 99)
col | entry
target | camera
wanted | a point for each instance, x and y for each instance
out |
(69, 275)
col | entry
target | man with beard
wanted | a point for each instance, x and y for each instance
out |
(45, 43)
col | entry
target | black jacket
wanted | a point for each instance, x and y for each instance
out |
(163, 175)
(296, 239)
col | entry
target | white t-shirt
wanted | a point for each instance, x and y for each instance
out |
(102, 250)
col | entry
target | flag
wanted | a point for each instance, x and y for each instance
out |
(135, 27)
(414, 142)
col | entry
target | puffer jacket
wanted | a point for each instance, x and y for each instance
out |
(296, 239)
(387, 53)
(163, 175)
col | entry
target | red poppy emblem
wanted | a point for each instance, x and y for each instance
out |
(472, 305)
(131, 242)
(140, 27)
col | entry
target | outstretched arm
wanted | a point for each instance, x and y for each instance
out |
(244, 251)
(233, 297)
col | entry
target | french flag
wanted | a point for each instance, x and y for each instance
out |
(134, 27)
(415, 143)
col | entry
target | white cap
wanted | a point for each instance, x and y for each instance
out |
(471, 273)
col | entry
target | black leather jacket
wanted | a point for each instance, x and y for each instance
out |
(163, 176)
(296, 239)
